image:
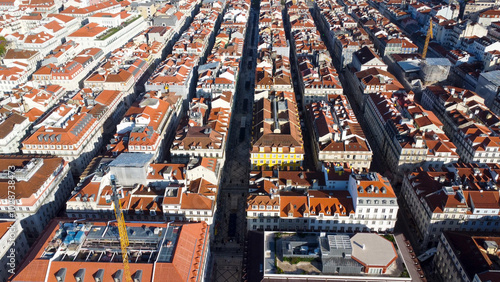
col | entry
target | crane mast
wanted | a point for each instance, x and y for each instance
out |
(122, 229)
(427, 39)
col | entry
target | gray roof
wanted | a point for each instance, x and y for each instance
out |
(377, 251)
(493, 76)
(208, 66)
(339, 262)
(409, 66)
(438, 62)
(131, 160)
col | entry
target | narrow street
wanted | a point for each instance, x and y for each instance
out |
(230, 219)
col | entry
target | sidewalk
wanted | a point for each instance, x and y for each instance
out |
(409, 258)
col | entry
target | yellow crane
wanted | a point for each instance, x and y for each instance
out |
(122, 230)
(427, 39)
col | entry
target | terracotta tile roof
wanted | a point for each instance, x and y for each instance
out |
(38, 38)
(336, 126)
(470, 252)
(19, 54)
(54, 26)
(191, 201)
(266, 134)
(9, 123)
(69, 133)
(293, 204)
(328, 203)
(283, 178)
(89, 30)
(373, 185)
(106, 97)
(198, 136)
(33, 114)
(4, 227)
(174, 171)
(63, 18)
(258, 200)
(473, 180)
(26, 190)
(91, 9)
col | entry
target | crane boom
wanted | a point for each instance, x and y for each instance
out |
(122, 230)
(427, 39)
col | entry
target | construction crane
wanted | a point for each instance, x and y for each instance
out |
(427, 39)
(122, 229)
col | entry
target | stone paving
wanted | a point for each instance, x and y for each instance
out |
(230, 219)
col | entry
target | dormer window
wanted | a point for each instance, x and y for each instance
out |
(269, 207)
(254, 207)
(290, 214)
(262, 207)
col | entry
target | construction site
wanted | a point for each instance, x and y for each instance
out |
(92, 251)
(94, 243)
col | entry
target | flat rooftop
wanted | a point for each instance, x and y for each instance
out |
(131, 160)
(493, 76)
(84, 249)
(101, 243)
(438, 62)
(409, 66)
(368, 250)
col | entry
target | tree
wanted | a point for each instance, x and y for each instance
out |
(3, 45)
